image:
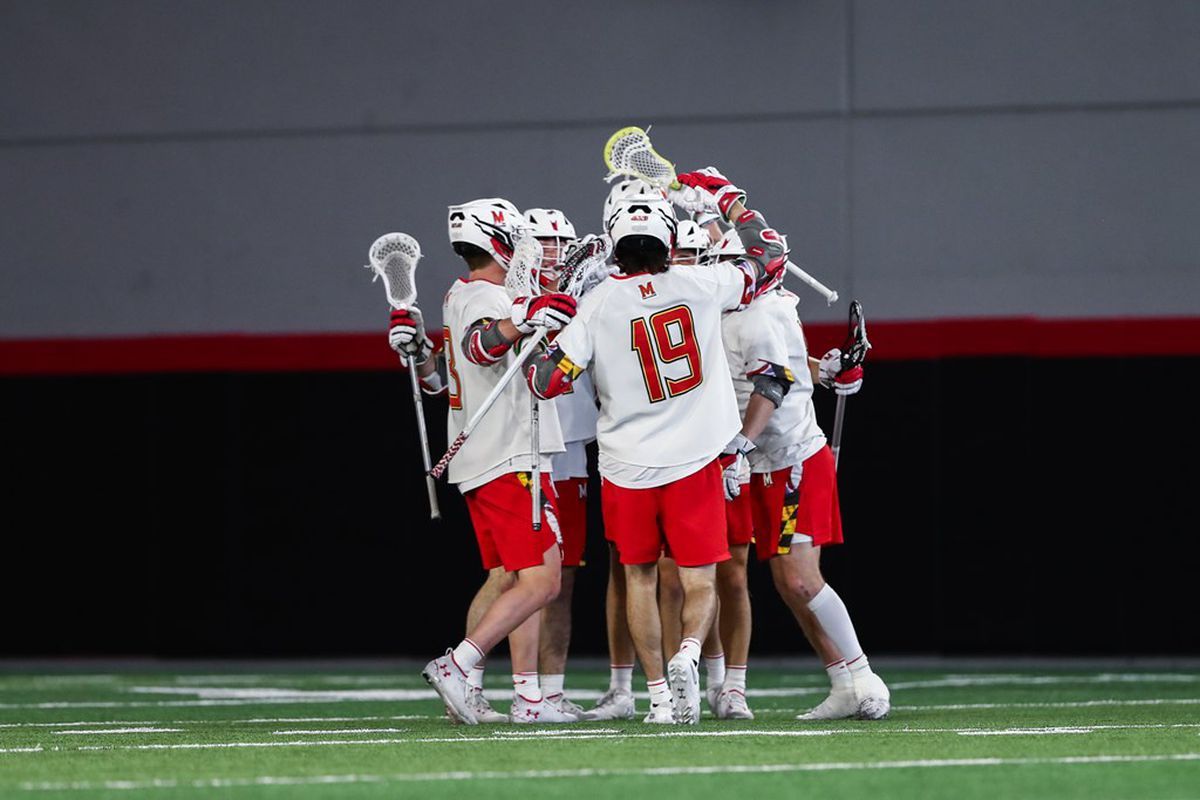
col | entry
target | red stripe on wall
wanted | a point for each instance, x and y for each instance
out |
(893, 340)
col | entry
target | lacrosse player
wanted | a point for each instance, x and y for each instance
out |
(791, 508)
(492, 470)
(652, 337)
(577, 418)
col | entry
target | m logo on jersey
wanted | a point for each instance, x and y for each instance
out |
(647, 290)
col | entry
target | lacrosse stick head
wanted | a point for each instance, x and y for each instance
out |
(585, 265)
(629, 152)
(522, 278)
(854, 349)
(394, 258)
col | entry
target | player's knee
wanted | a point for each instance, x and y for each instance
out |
(795, 585)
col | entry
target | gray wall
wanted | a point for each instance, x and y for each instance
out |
(223, 166)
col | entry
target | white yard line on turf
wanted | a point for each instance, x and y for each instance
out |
(579, 734)
(254, 721)
(672, 771)
(103, 731)
(335, 732)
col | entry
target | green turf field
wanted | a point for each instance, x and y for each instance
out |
(369, 733)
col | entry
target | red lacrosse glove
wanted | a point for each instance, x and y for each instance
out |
(550, 311)
(406, 334)
(716, 184)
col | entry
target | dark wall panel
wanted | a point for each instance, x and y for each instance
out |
(991, 505)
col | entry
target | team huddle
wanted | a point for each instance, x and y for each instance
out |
(685, 361)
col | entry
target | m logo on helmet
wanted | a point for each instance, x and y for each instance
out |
(498, 217)
(554, 224)
(647, 290)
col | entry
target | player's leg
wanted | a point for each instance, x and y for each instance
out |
(555, 639)
(645, 626)
(797, 578)
(734, 621)
(631, 520)
(498, 580)
(617, 702)
(500, 514)
(712, 656)
(670, 606)
(818, 523)
(693, 519)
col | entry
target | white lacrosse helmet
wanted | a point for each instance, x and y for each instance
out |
(628, 187)
(690, 237)
(643, 215)
(549, 223)
(730, 246)
(488, 223)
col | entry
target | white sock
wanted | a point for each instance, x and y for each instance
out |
(552, 684)
(839, 676)
(620, 676)
(691, 648)
(714, 668)
(660, 693)
(831, 612)
(735, 678)
(475, 676)
(859, 667)
(526, 685)
(467, 655)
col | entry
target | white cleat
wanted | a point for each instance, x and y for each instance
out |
(875, 699)
(731, 704)
(482, 708)
(451, 685)
(842, 703)
(615, 704)
(683, 676)
(542, 712)
(712, 693)
(661, 715)
(566, 706)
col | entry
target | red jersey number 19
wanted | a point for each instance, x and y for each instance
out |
(666, 337)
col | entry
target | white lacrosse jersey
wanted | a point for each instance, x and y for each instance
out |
(501, 442)
(653, 343)
(768, 331)
(577, 412)
(577, 415)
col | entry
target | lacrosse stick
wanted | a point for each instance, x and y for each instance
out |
(629, 152)
(394, 258)
(854, 352)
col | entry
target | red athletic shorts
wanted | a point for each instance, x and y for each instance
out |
(501, 513)
(739, 517)
(572, 518)
(811, 509)
(687, 514)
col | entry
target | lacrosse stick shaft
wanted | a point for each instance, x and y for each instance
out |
(422, 431)
(839, 417)
(489, 401)
(535, 443)
(830, 295)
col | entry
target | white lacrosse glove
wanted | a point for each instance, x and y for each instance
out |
(734, 464)
(832, 376)
(406, 334)
(693, 200)
(550, 311)
(710, 181)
